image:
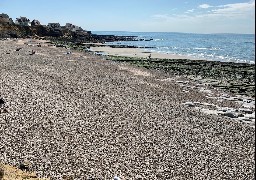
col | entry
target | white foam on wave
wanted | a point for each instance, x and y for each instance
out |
(158, 39)
(214, 48)
(200, 48)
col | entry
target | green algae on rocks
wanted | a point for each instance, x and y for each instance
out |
(236, 78)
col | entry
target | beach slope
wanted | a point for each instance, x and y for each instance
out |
(79, 116)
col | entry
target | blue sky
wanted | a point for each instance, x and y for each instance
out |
(191, 16)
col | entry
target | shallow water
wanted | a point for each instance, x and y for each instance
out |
(217, 47)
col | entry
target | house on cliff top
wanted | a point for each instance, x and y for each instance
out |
(5, 19)
(76, 29)
(35, 23)
(72, 27)
(54, 25)
(22, 21)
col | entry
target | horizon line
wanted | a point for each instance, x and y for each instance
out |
(169, 32)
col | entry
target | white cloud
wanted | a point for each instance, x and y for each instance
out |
(236, 9)
(236, 17)
(190, 11)
(204, 6)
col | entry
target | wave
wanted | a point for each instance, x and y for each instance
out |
(219, 47)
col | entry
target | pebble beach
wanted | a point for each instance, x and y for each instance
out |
(79, 116)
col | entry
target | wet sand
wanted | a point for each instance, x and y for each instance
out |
(135, 52)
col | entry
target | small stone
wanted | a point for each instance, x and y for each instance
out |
(230, 114)
(197, 103)
(243, 119)
(245, 110)
(185, 91)
(25, 166)
(226, 109)
(116, 178)
(138, 177)
(1, 102)
(189, 104)
(250, 116)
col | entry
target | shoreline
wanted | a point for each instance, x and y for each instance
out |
(135, 52)
(141, 52)
(210, 48)
(239, 78)
(128, 115)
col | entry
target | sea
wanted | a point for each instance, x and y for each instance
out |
(239, 48)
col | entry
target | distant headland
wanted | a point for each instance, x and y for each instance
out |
(24, 28)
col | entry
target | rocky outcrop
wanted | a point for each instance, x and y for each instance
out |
(5, 19)
(14, 31)
(53, 31)
(22, 21)
(61, 33)
(35, 23)
(18, 31)
(236, 78)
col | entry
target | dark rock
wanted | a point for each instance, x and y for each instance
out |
(1, 102)
(230, 114)
(206, 69)
(35, 23)
(33, 52)
(25, 166)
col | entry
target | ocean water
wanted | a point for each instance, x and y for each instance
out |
(216, 47)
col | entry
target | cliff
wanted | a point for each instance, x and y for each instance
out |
(18, 31)
(14, 31)
(62, 33)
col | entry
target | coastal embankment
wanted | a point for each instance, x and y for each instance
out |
(68, 113)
